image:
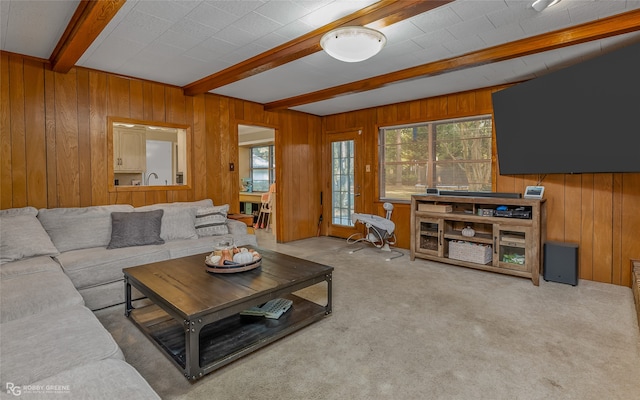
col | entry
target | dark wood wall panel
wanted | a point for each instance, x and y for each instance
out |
(603, 227)
(84, 141)
(212, 109)
(616, 229)
(586, 231)
(630, 220)
(199, 146)
(67, 139)
(299, 142)
(36, 146)
(50, 129)
(6, 194)
(17, 139)
(98, 137)
(572, 207)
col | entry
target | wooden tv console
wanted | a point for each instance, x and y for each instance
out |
(507, 245)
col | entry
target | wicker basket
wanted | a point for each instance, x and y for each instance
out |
(472, 252)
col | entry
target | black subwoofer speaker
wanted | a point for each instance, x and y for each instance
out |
(561, 262)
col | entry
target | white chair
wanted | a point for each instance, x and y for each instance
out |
(264, 216)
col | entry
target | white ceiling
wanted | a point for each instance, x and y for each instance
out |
(178, 42)
(253, 135)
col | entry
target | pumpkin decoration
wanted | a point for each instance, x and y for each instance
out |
(243, 256)
(468, 232)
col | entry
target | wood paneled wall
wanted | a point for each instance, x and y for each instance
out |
(53, 142)
(53, 150)
(600, 212)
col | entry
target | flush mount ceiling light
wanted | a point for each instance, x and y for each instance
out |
(353, 43)
(540, 5)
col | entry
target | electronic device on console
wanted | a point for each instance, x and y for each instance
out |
(534, 192)
(479, 194)
(519, 212)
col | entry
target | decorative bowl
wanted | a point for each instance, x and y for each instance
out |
(214, 263)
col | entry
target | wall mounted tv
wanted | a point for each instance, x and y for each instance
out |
(582, 119)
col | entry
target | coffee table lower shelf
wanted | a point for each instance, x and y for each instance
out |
(226, 340)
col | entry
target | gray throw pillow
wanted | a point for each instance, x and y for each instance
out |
(135, 228)
(212, 221)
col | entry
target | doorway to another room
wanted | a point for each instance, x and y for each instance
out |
(257, 170)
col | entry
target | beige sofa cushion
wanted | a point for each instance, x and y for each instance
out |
(10, 212)
(43, 345)
(100, 380)
(79, 228)
(23, 296)
(178, 221)
(196, 204)
(28, 266)
(22, 236)
(97, 266)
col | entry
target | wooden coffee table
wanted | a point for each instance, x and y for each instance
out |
(193, 315)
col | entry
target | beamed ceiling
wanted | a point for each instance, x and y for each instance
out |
(268, 51)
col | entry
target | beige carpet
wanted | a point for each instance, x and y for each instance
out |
(424, 330)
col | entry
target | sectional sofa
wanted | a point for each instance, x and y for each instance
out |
(58, 265)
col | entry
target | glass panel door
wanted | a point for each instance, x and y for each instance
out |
(429, 236)
(512, 247)
(345, 183)
(342, 166)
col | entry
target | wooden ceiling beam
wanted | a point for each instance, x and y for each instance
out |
(378, 15)
(90, 18)
(599, 29)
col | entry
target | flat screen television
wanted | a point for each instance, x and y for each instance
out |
(582, 119)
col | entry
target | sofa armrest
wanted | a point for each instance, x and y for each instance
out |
(236, 227)
(241, 237)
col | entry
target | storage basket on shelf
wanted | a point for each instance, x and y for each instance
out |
(472, 252)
